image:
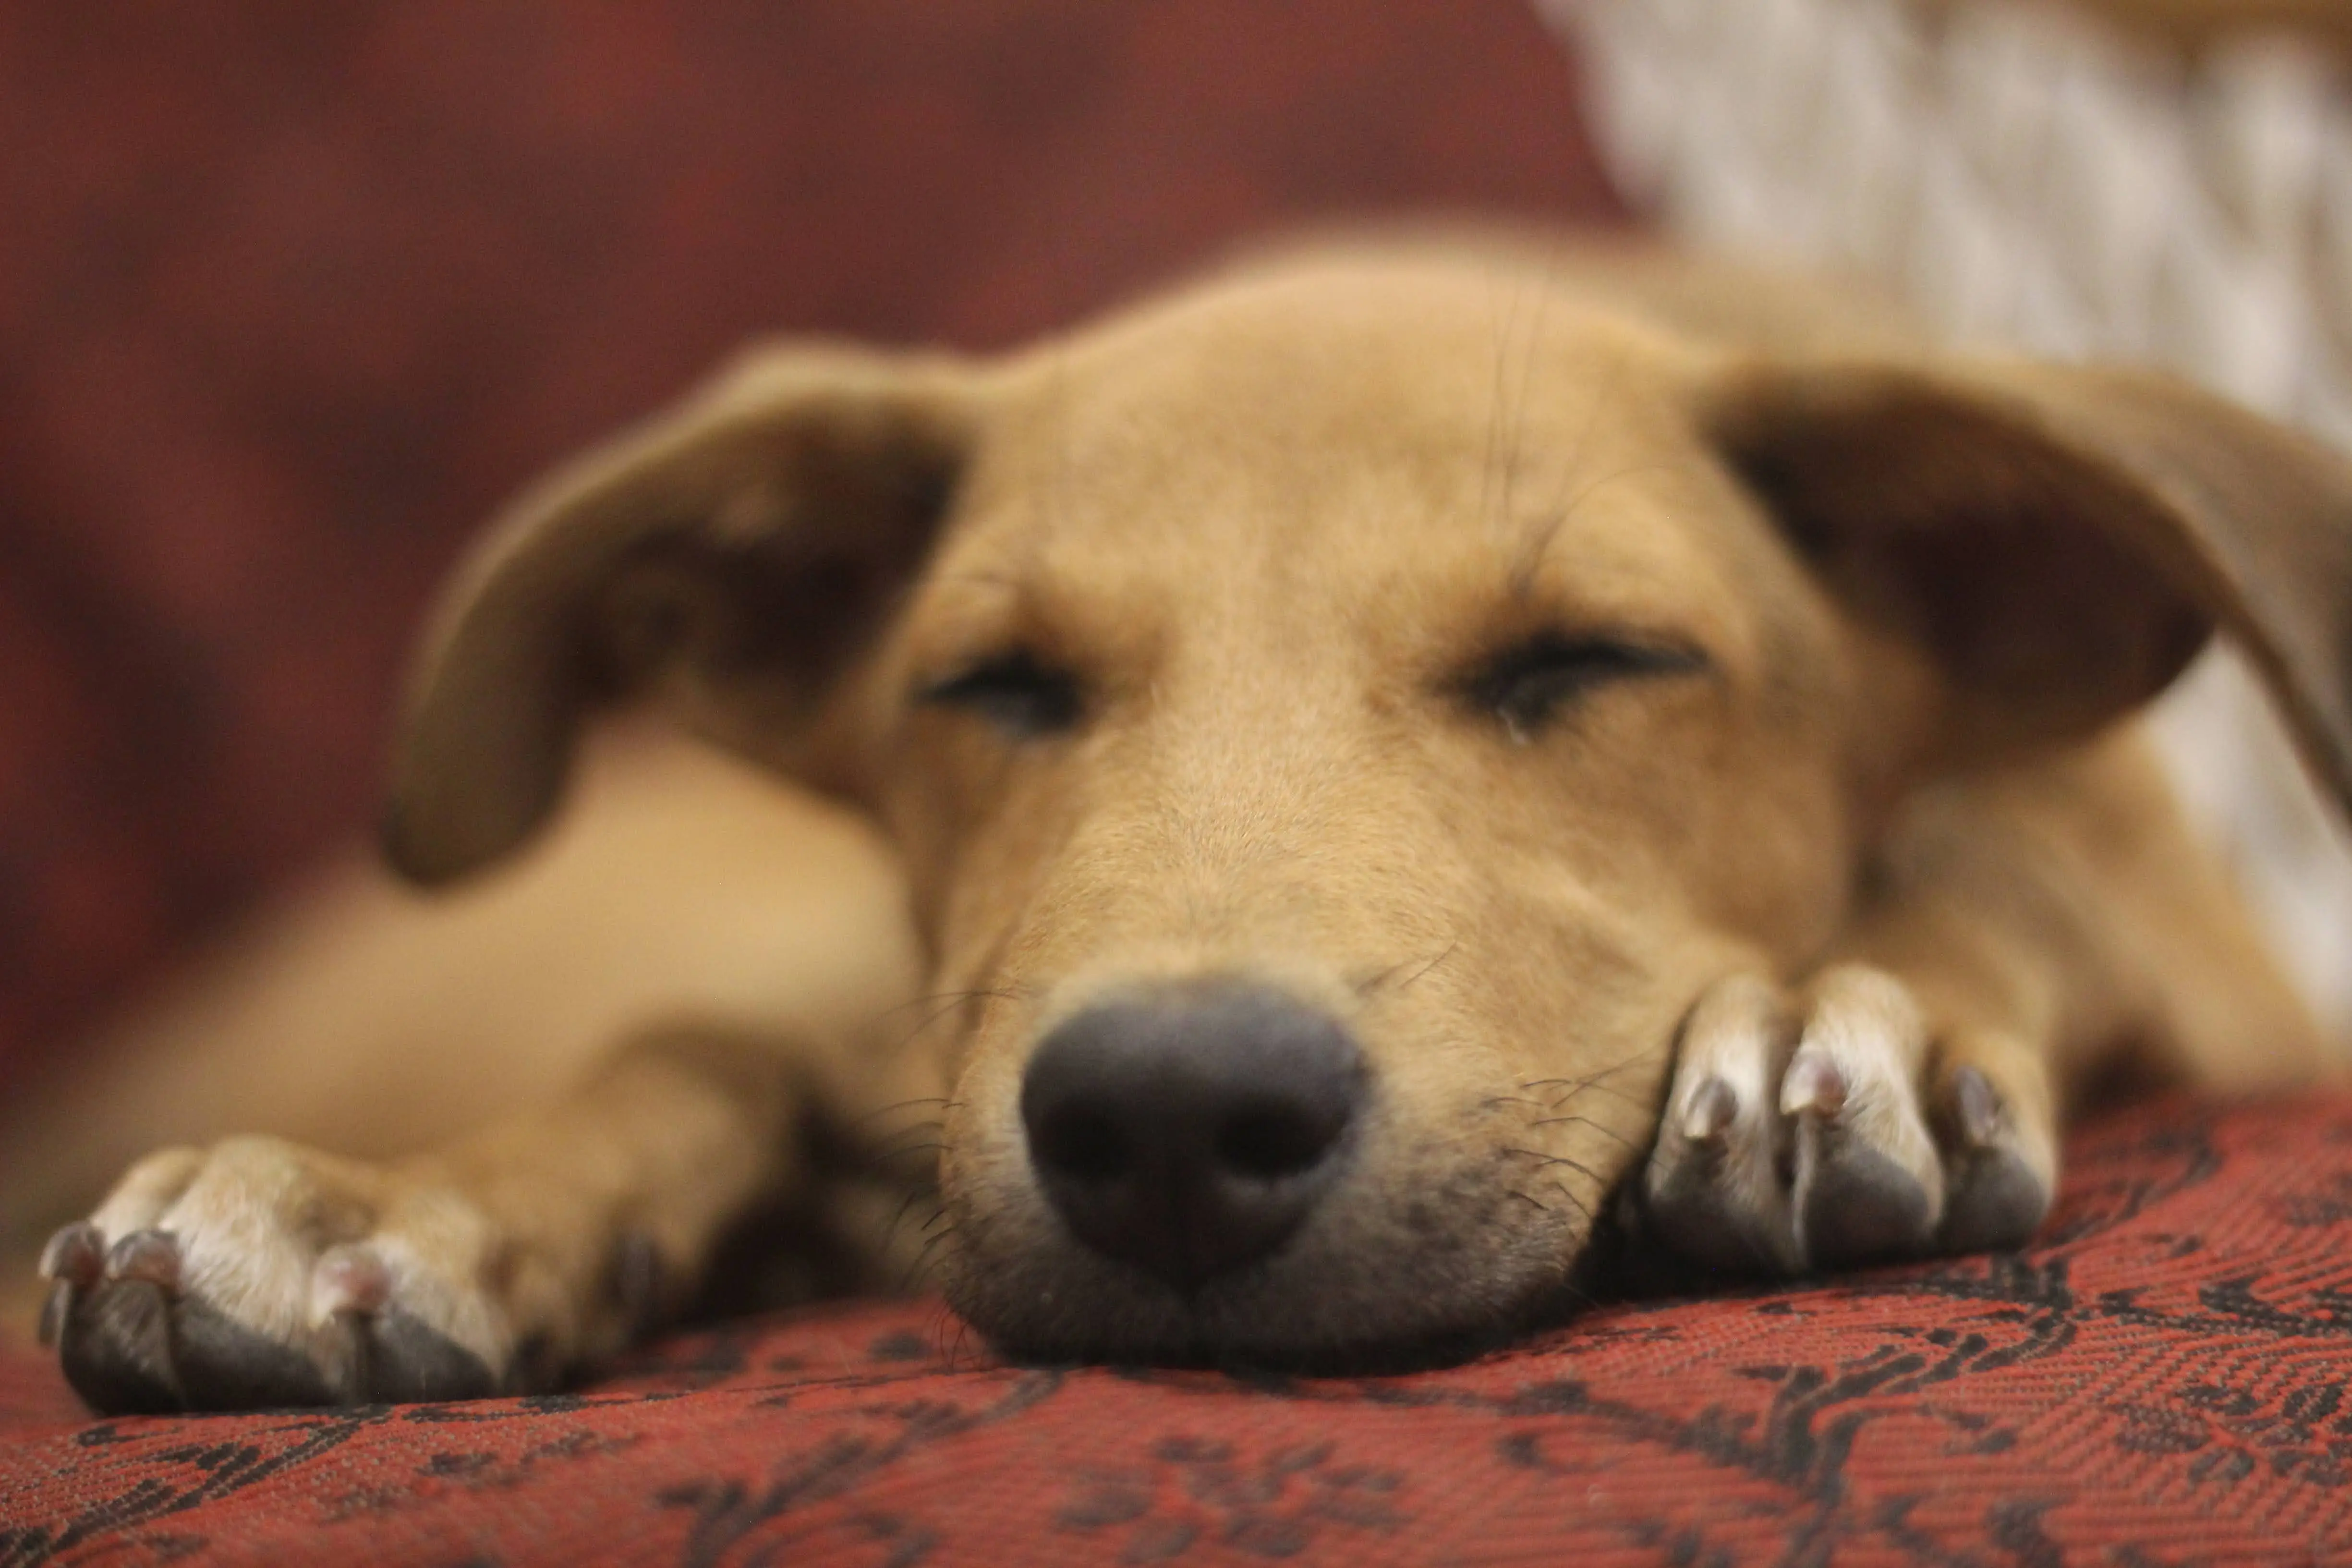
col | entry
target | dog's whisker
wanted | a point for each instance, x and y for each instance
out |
(1572, 1086)
(890, 1231)
(946, 1011)
(1586, 1121)
(1380, 980)
(1418, 975)
(918, 1272)
(1537, 543)
(902, 1105)
(1541, 1158)
(950, 998)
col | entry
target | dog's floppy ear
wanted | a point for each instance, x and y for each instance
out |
(725, 559)
(2060, 539)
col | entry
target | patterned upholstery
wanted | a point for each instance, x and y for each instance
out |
(2160, 1381)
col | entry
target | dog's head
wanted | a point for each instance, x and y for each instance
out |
(1336, 721)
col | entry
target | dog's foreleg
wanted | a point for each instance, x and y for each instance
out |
(260, 1272)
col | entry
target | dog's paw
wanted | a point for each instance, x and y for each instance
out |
(1842, 1130)
(257, 1273)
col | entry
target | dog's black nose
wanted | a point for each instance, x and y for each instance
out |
(1189, 1130)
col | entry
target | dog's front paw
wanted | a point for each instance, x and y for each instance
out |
(1844, 1129)
(258, 1273)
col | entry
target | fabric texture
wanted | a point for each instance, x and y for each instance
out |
(2161, 1380)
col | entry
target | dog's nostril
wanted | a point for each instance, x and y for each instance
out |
(1271, 1143)
(1080, 1145)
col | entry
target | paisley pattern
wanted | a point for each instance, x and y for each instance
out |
(2161, 1380)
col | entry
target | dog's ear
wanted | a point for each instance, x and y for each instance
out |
(726, 560)
(2060, 539)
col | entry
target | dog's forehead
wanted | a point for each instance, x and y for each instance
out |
(1309, 438)
(1369, 360)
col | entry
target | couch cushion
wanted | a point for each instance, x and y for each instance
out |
(2161, 1380)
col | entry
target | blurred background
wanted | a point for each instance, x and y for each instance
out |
(291, 296)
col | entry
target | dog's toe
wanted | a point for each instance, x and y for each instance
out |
(1714, 1186)
(2002, 1175)
(1868, 1180)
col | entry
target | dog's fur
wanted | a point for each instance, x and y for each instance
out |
(1668, 717)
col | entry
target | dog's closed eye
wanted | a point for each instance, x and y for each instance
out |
(1013, 692)
(1529, 684)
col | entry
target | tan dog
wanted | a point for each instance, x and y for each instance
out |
(1385, 748)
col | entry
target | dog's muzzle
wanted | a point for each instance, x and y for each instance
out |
(1189, 1129)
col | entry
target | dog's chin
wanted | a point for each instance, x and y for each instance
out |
(1322, 1304)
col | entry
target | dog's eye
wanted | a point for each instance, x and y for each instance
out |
(1529, 685)
(1013, 691)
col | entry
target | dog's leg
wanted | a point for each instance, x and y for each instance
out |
(2031, 935)
(258, 1272)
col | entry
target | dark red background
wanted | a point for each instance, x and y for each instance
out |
(292, 294)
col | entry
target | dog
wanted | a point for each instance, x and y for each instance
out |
(1370, 770)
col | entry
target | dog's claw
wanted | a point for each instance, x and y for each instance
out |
(1711, 1112)
(348, 1280)
(1791, 1146)
(54, 1308)
(1813, 1087)
(75, 1254)
(1977, 1106)
(150, 1257)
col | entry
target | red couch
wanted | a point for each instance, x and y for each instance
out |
(292, 294)
(2161, 1380)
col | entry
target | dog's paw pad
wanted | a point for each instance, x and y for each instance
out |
(222, 1364)
(1858, 1202)
(410, 1360)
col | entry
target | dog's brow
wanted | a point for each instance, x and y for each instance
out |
(1553, 518)
(1545, 531)
(1508, 411)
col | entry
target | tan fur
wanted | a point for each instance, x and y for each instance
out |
(1881, 824)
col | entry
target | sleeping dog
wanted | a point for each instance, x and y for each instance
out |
(1366, 765)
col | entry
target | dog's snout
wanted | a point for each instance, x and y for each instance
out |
(1187, 1131)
